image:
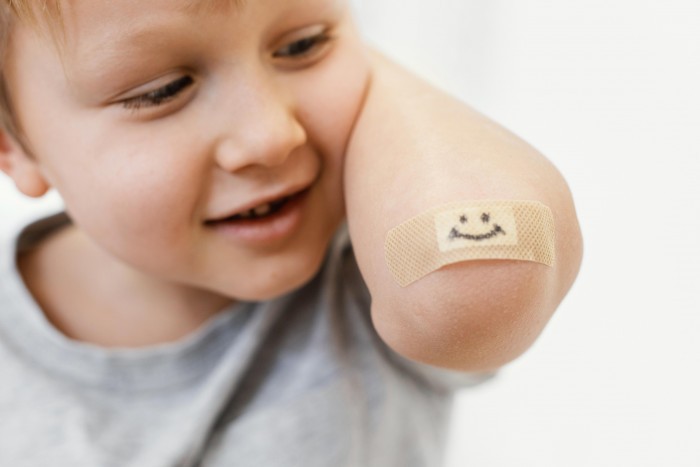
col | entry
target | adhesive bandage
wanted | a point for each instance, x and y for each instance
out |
(462, 231)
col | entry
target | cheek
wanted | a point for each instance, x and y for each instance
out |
(332, 98)
(133, 197)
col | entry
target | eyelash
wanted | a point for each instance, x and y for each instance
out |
(297, 49)
(307, 44)
(160, 95)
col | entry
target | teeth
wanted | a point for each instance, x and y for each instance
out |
(262, 210)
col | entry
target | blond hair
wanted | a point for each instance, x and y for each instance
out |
(7, 13)
(12, 11)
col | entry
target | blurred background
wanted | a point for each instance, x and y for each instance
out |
(609, 91)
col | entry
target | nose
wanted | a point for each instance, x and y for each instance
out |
(264, 132)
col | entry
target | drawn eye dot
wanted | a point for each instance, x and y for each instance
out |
(485, 218)
(463, 219)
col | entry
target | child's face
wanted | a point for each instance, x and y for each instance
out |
(159, 118)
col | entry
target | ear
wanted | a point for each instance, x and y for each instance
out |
(21, 167)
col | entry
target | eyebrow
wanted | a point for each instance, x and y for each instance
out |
(198, 5)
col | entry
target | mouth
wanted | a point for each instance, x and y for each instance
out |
(266, 225)
(263, 212)
(259, 212)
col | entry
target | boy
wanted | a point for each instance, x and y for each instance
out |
(199, 303)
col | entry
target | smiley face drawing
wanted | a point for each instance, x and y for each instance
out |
(475, 227)
(477, 237)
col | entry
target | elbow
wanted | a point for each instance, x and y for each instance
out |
(480, 315)
(470, 316)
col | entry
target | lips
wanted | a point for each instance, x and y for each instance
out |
(267, 225)
(265, 207)
(260, 211)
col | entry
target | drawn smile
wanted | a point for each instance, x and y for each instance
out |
(485, 219)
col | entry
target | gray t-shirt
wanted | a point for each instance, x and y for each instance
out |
(303, 380)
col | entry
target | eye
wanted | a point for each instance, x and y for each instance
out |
(159, 96)
(303, 47)
(485, 218)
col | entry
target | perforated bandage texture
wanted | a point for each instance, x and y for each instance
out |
(470, 230)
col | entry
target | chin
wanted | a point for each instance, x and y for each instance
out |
(277, 290)
(270, 286)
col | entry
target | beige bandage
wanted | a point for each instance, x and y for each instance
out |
(461, 231)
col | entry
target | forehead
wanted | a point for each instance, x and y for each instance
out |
(84, 29)
(58, 18)
(52, 10)
(90, 33)
(63, 20)
(90, 24)
(64, 14)
(51, 14)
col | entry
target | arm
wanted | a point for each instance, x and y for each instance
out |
(414, 148)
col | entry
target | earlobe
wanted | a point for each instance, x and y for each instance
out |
(21, 167)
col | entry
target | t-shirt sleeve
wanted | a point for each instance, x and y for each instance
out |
(442, 378)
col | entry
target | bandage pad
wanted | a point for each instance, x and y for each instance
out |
(463, 231)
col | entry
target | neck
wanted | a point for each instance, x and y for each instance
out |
(117, 307)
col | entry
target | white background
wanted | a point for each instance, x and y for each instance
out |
(610, 92)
